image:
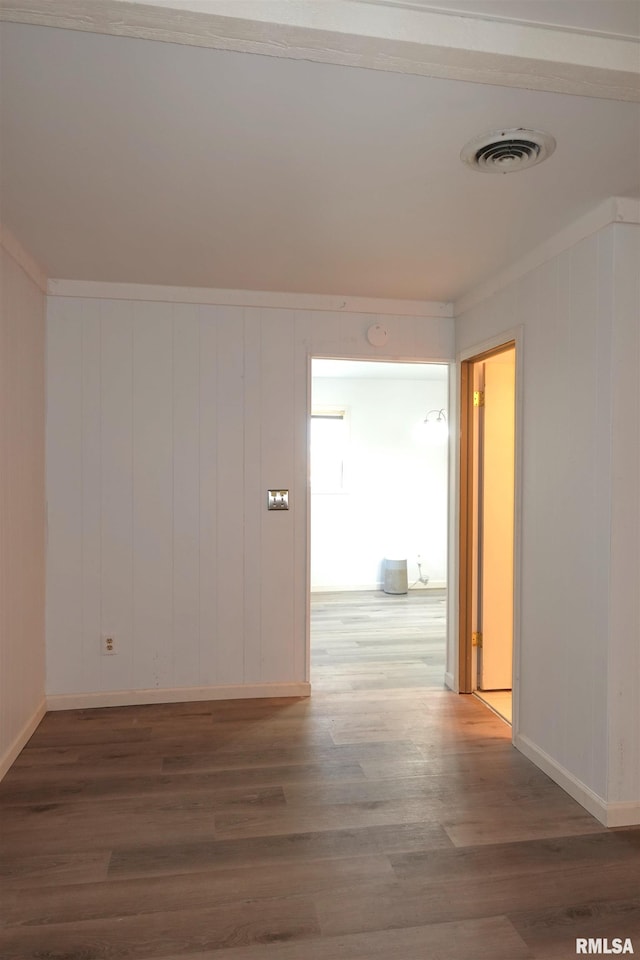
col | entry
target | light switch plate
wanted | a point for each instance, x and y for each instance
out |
(278, 500)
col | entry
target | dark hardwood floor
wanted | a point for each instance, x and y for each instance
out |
(385, 818)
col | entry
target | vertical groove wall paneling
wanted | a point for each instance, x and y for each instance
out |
(208, 494)
(600, 719)
(116, 491)
(185, 647)
(168, 423)
(583, 445)
(301, 520)
(255, 496)
(152, 494)
(624, 656)
(91, 457)
(65, 498)
(22, 507)
(277, 470)
(568, 486)
(231, 416)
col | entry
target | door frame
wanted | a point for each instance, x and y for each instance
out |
(451, 501)
(465, 509)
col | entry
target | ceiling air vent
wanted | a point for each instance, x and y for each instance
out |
(506, 151)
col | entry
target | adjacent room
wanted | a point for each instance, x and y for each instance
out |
(378, 540)
(265, 268)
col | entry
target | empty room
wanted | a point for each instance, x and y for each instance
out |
(247, 619)
(378, 524)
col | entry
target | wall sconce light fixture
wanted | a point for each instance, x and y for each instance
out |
(436, 416)
(435, 425)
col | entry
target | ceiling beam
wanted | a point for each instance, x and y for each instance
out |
(362, 33)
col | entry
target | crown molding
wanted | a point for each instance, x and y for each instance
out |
(504, 17)
(613, 210)
(376, 35)
(96, 290)
(16, 251)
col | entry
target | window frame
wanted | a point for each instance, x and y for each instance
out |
(338, 413)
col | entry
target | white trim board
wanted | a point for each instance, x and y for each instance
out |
(97, 290)
(376, 587)
(621, 814)
(613, 210)
(122, 698)
(22, 739)
(512, 334)
(24, 260)
(401, 38)
(595, 805)
(544, 19)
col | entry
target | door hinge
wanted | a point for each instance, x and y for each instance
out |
(476, 639)
(478, 398)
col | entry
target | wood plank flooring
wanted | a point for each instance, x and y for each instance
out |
(385, 818)
(500, 701)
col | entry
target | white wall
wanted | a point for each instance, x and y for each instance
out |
(22, 506)
(579, 623)
(624, 577)
(395, 497)
(167, 423)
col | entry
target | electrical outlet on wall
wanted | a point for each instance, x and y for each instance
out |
(108, 647)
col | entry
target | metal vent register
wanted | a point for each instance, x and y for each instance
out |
(506, 151)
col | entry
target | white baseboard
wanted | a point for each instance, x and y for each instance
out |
(23, 738)
(345, 588)
(122, 698)
(355, 587)
(623, 813)
(574, 787)
(431, 585)
(449, 681)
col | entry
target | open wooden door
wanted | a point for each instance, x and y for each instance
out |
(487, 494)
(496, 517)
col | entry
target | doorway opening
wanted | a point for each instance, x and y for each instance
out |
(378, 524)
(487, 511)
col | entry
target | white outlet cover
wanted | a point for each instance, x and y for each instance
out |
(104, 647)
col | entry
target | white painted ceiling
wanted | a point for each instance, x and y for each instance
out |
(137, 161)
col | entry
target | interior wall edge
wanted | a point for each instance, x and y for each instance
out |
(621, 289)
(453, 535)
(14, 749)
(612, 210)
(12, 246)
(22, 504)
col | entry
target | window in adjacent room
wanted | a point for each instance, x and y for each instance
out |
(328, 450)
